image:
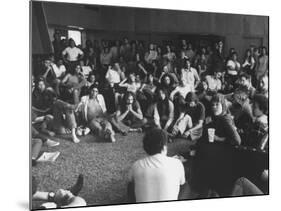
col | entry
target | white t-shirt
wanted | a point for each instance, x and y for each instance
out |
(86, 70)
(213, 84)
(182, 90)
(58, 70)
(72, 53)
(232, 67)
(157, 178)
(113, 76)
(190, 76)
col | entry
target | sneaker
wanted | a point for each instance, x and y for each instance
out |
(79, 131)
(48, 205)
(86, 131)
(51, 143)
(76, 188)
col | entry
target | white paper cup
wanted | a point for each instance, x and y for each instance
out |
(211, 134)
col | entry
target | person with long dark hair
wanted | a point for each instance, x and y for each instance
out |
(162, 111)
(262, 64)
(129, 117)
(249, 63)
(191, 118)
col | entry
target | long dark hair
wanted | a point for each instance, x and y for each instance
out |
(249, 58)
(125, 98)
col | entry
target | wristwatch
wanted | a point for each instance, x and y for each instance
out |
(51, 196)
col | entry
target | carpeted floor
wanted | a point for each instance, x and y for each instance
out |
(104, 166)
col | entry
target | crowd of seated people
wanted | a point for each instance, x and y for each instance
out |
(120, 87)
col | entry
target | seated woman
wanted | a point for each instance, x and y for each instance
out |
(130, 84)
(42, 102)
(129, 116)
(94, 114)
(72, 84)
(145, 95)
(178, 95)
(190, 121)
(168, 68)
(162, 112)
(222, 122)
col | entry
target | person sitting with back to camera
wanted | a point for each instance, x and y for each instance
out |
(156, 177)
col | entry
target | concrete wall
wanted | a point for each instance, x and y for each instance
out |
(109, 22)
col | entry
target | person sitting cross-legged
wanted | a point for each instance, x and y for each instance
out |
(156, 177)
(93, 110)
(161, 113)
(72, 84)
(129, 117)
(190, 121)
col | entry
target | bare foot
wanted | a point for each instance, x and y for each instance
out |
(50, 133)
(112, 138)
(75, 140)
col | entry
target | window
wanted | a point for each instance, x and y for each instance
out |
(75, 35)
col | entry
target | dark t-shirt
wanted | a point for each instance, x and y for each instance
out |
(42, 100)
(196, 113)
(224, 127)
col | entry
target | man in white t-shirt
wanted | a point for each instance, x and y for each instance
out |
(190, 74)
(72, 53)
(59, 69)
(214, 81)
(113, 74)
(156, 177)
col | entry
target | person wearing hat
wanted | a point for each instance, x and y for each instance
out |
(156, 177)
